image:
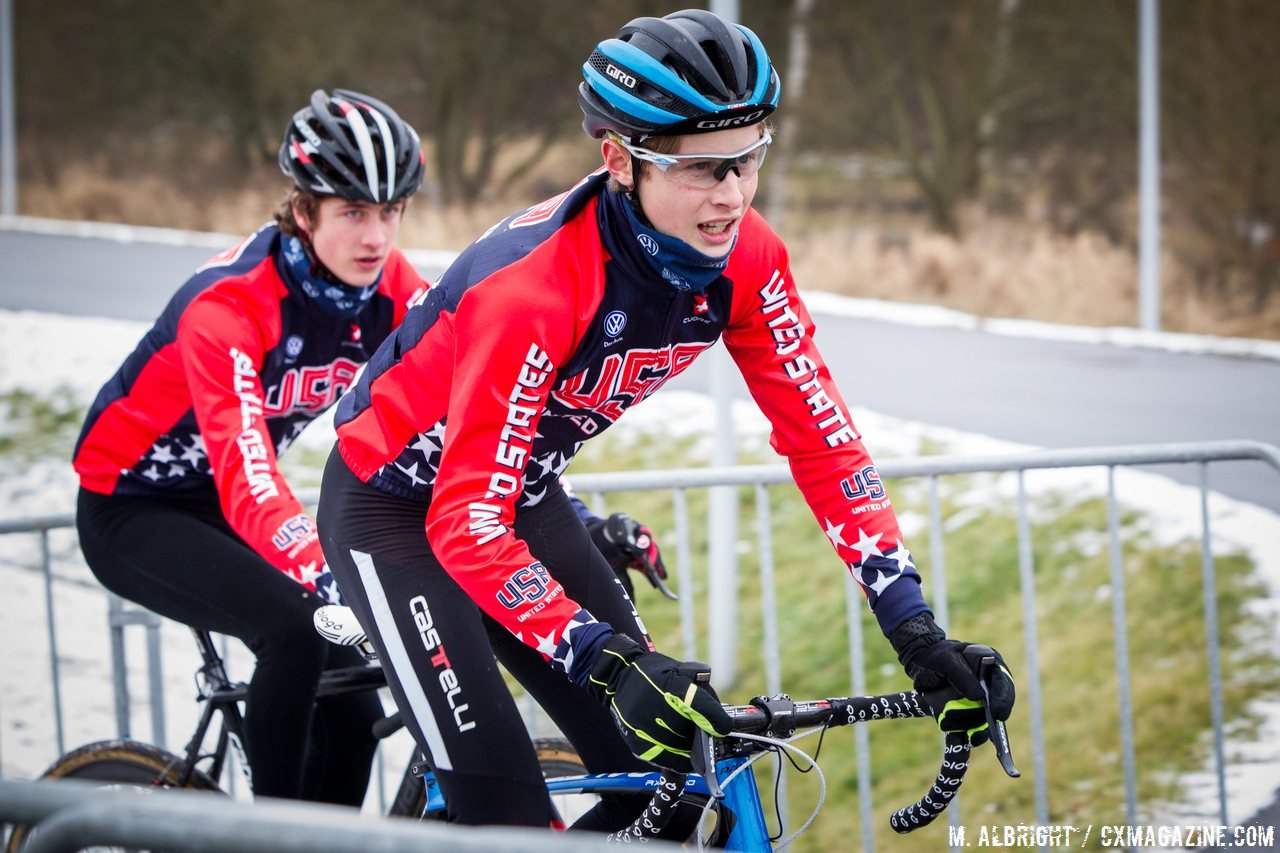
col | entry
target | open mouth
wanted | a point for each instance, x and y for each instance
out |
(716, 227)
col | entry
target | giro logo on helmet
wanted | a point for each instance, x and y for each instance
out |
(313, 139)
(621, 76)
(749, 118)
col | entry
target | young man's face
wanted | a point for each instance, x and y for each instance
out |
(352, 238)
(707, 219)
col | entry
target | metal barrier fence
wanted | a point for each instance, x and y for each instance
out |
(759, 478)
(72, 815)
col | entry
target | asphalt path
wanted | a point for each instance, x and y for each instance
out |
(1034, 391)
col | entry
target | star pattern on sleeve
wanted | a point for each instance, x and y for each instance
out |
(308, 572)
(835, 532)
(874, 579)
(902, 557)
(867, 545)
(547, 644)
(876, 568)
(563, 655)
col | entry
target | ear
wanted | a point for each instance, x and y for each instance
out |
(303, 222)
(618, 161)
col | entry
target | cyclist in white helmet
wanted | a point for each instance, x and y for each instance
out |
(182, 507)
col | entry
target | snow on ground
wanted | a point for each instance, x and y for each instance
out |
(40, 352)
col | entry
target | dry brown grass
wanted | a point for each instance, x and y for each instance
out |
(1002, 268)
(1021, 270)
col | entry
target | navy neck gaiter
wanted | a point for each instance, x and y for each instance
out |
(675, 261)
(320, 285)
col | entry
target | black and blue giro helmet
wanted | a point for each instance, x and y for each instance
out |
(688, 72)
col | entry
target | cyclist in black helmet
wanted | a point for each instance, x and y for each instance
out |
(441, 511)
(182, 507)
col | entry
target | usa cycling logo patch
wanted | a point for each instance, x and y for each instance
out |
(614, 323)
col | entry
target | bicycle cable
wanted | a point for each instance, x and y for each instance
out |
(776, 744)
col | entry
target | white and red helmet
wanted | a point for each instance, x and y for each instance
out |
(352, 146)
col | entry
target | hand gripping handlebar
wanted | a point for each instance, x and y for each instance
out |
(780, 716)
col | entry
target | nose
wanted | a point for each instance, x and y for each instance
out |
(728, 191)
(376, 233)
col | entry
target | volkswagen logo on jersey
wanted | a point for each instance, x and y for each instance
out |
(614, 323)
(293, 346)
(650, 245)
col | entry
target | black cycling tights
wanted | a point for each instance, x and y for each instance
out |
(441, 652)
(179, 558)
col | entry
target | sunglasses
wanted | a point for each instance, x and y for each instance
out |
(704, 171)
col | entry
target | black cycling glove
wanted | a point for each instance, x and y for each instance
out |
(628, 544)
(655, 707)
(946, 672)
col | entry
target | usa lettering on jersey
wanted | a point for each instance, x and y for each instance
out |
(294, 534)
(627, 378)
(310, 389)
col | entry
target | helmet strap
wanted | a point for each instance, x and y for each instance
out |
(633, 195)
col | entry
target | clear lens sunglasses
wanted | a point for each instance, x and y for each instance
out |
(704, 171)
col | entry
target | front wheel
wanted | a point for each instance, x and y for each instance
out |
(118, 764)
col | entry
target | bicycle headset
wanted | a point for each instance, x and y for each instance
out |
(688, 72)
(352, 146)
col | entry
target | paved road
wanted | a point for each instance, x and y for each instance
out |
(1028, 390)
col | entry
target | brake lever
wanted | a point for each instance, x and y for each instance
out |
(999, 734)
(704, 762)
(656, 581)
(702, 754)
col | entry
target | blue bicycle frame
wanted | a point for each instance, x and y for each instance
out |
(749, 833)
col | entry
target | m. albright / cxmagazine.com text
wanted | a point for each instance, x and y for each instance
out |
(1112, 835)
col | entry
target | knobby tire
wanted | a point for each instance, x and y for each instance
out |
(121, 762)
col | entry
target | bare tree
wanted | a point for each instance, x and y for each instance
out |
(930, 75)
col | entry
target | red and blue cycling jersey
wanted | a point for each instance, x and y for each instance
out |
(239, 362)
(537, 339)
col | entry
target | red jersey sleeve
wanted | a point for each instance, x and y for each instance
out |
(512, 335)
(770, 336)
(222, 347)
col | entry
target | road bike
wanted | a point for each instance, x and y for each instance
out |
(122, 762)
(718, 804)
